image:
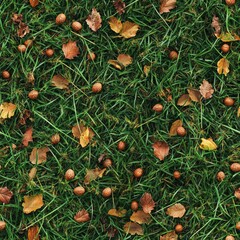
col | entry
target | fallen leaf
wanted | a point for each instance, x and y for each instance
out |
(122, 61)
(184, 100)
(176, 211)
(174, 126)
(116, 64)
(60, 82)
(5, 195)
(31, 78)
(228, 37)
(85, 137)
(33, 233)
(238, 112)
(208, 144)
(140, 217)
(115, 24)
(129, 29)
(7, 110)
(82, 216)
(169, 236)
(161, 149)
(133, 228)
(32, 173)
(38, 155)
(206, 89)
(194, 95)
(23, 29)
(117, 213)
(17, 18)
(167, 5)
(147, 202)
(33, 3)
(111, 232)
(237, 193)
(27, 137)
(32, 203)
(24, 116)
(94, 20)
(146, 69)
(223, 66)
(216, 25)
(70, 50)
(119, 6)
(93, 174)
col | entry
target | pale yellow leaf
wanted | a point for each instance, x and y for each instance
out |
(208, 144)
(223, 66)
(7, 110)
(117, 213)
(32, 203)
(228, 37)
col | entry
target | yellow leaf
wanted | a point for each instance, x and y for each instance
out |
(208, 144)
(117, 213)
(223, 66)
(32, 203)
(84, 138)
(129, 29)
(115, 24)
(228, 37)
(7, 110)
(175, 125)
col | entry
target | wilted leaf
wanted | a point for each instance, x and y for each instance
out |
(238, 112)
(70, 50)
(17, 18)
(5, 195)
(129, 29)
(33, 3)
(33, 233)
(30, 77)
(7, 110)
(27, 136)
(119, 6)
(133, 228)
(115, 24)
(111, 232)
(116, 64)
(184, 100)
(94, 20)
(82, 216)
(194, 95)
(169, 236)
(117, 213)
(60, 82)
(167, 5)
(38, 155)
(24, 116)
(93, 174)
(228, 37)
(206, 89)
(161, 149)
(124, 59)
(216, 25)
(32, 173)
(23, 29)
(175, 125)
(146, 69)
(140, 217)
(237, 193)
(32, 203)
(147, 202)
(208, 144)
(223, 66)
(176, 211)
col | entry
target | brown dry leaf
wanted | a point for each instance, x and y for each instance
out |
(31, 78)
(32, 173)
(38, 155)
(129, 29)
(60, 82)
(32, 203)
(133, 228)
(5, 195)
(33, 233)
(82, 216)
(206, 89)
(23, 29)
(147, 202)
(124, 59)
(115, 24)
(169, 236)
(116, 64)
(146, 69)
(94, 20)
(119, 6)
(228, 37)
(26, 114)
(27, 137)
(70, 50)
(33, 3)
(167, 5)
(238, 112)
(140, 217)
(216, 25)
(208, 144)
(161, 149)
(93, 174)
(7, 110)
(237, 193)
(223, 66)
(194, 95)
(176, 211)
(17, 18)
(117, 213)
(184, 100)
(175, 125)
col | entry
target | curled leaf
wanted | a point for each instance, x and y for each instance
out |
(117, 213)
(32, 203)
(223, 66)
(216, 25)
(27, 137)
(206, 89)
(194, 95)
(228, 37)
(82, 216)
(133, 228)
(208, 144)
(175, 125)
(176, 211)
(93, 174)
(119, 6)
(94, 20)
(60, 82)
(147, 202)
(23, 29)
(140, 217)
(122, 61)
(161, 149)
(5, 195)
(184, 100)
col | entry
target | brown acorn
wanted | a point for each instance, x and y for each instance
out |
(235, 167)
(97, 87)
(107, 163)
(220, 176)
(121, 146)
(28, 43)
(33, 94)
(181, 131)
(2, 225)
(176, 174)
(178, 228)
(22, 48)
(91, 56)
(157, 107)
(61, 18)
(134, 205)
(6, 74)
(230, 2)
(173, 55)
(79, 190)
(49, 52)
(69, 174)
(138, 172)
(228, 101)
(225, 48)
(76, 26)
(107, 192)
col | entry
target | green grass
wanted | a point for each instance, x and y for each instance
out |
(122, 111)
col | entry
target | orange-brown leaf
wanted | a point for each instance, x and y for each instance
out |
(60, 82)
(167, 5)
(23, 29)
(115, 24)
(32, 173)
(33, 3)
(169, 236)
(32, 203)
(93, 174)
(161, 149)
(27, 137)
(82, 216)
(147, 202)
(94, 20)
(117, 213)
(176, 211)
(175, 125)
(116, 64)
(119, 6)
(184, 100)
(5, 195)
(129, 29)
(124, 59)
(206, 89)
(39, 155)
(7, 110)
(140, 217)
(70, 50)
(133, 228)
(33, 233)
(223, 66)
(194, 95)
(216, 25)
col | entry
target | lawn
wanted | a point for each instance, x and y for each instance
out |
(168, 55)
